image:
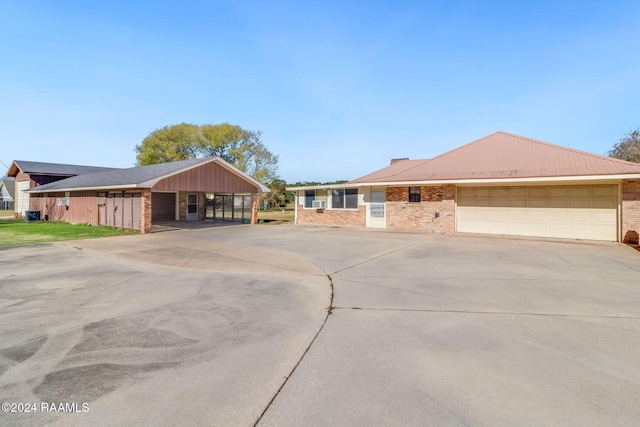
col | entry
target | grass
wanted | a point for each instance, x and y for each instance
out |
(7, 213)
(277, 214)
(16, 232)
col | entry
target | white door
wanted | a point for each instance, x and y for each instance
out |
(576, 212)
(377, 214)
(192, 207)
(22, 202)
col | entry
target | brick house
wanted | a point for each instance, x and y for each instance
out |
(500, 184)
(137, 197)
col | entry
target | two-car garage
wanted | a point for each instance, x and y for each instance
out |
(563, 211)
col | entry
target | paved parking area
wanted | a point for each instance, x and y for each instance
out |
(203, 327)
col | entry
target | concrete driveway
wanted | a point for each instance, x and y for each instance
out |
(203, 327)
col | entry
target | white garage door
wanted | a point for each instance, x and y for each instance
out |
(577, 212)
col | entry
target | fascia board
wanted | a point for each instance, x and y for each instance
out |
(498, 180)
(71, 189)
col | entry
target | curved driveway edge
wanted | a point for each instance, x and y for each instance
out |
(158, 329)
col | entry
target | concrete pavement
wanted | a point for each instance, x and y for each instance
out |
(203, 327)
(152, 330)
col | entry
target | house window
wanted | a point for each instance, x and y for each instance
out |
(414, 194)
(345, 198)
(309, 197)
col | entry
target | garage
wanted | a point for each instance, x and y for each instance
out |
(563, 211)
(163, 207)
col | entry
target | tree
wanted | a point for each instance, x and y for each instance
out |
(242, 148)
(628, 148)
(278, 194)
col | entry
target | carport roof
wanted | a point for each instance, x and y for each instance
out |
(502, 155)
(135, 177)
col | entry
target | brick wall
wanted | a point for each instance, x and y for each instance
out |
(434, 199)
(182, 206)
(333, 217)
(145, 213)
(630, 210)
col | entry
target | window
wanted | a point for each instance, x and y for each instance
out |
(309, 197)
(345, 198)
(414, 194)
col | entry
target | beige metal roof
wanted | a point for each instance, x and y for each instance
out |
(502, 156)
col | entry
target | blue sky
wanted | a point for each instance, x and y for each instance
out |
(338, 88)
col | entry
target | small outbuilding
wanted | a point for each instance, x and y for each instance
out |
(500, 184)
(137, 197)
(7, 194)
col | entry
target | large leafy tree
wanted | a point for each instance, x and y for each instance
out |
(240, 147)
(628, 148)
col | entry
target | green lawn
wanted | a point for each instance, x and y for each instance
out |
(15, 232)
(278, 214)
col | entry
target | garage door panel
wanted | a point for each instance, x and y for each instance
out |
(537, 202)
(518, 192)
(466, 192)
(581, 212)
(579, 191)
(604, 191)
(580, 203)
(557, 191)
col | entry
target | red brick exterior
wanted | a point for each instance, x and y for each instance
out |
(434, 200)
(333, 217)
(182, 205)
(630, 210)
(145, 214)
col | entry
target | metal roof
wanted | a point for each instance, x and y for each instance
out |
(53, 168)
(136, 177)
(502, 155)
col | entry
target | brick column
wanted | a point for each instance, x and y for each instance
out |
(145, 211)
(254, 208)
(630, 211)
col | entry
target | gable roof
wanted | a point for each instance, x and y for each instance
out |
(10, 185)
(58, 169)
(502, 155)
(136, 177)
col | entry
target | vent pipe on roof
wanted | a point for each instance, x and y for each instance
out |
(398, 160)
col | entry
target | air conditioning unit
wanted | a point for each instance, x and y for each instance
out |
(319, 204)
(63, 201)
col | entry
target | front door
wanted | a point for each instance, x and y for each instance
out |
(192, 207)
(377, 218)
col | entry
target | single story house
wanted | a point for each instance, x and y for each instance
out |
(137, 197)
(500, 184)
(30, 174)
(7, 193)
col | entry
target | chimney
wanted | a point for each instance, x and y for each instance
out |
(398, 160)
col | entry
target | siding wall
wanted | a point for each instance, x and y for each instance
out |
(210, 178)
(123, 210)
(83, 207)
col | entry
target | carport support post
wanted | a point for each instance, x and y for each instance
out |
(145, 211)
(254, 208)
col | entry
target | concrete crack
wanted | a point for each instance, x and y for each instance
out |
(500, 313)
(286, 379)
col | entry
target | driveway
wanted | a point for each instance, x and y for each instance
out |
(205, 326)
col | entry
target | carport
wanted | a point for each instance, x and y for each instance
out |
(135, 198)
